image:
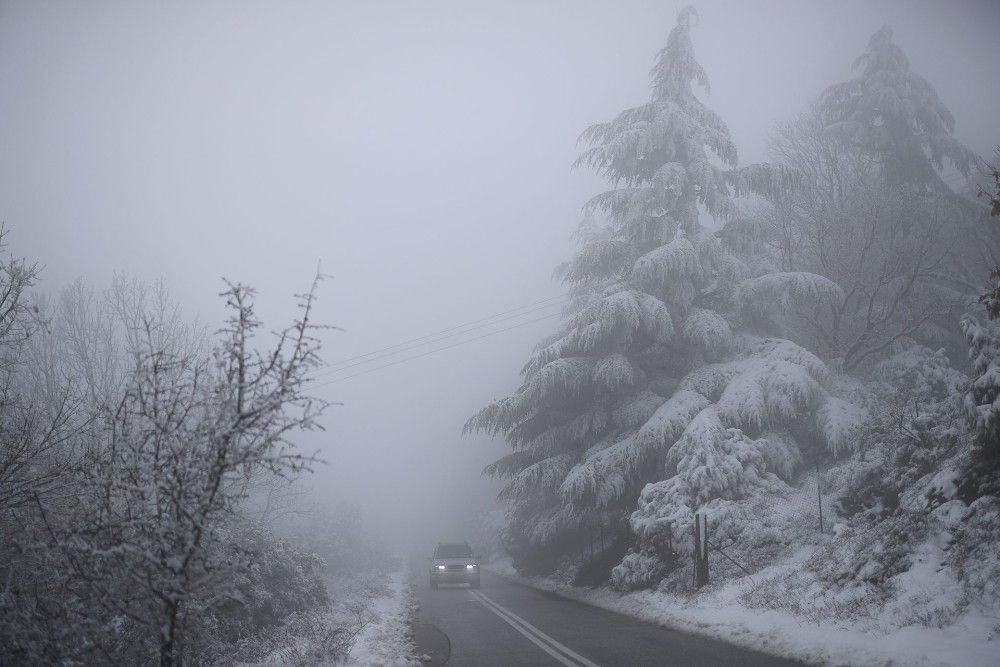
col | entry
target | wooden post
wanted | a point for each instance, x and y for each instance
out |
(700, 550)
(819, 498)
(697, 547)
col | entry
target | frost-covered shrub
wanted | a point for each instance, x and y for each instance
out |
(982, 400)
(315, 637)
(973, 551)
(638, 570)
(911, 424)
(922, 373)
(277, 581)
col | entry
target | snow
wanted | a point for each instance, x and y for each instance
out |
(837, 421)
(615, 371)
(386, 641)
(783, 290)
(604, 475)
(631, 312)
(717, 612)
(781, 454)
(665, 380)
(708, 330)
(546, 474)
(670, 263)
(982, 400)
(636, 409)
(670, 419)
(598, 258)
(568, 376)
(367, 625)
(786, 350)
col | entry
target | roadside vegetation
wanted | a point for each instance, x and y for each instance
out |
(144, 463)
(741, 335)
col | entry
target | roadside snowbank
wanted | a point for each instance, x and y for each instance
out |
(386, 639)
(367, 624)
(971, 641)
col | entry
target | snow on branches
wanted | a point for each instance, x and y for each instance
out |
(707, 330)
(982, 399)
(837, 423)
(667, 424)
(622, 396)
(604, 476)
(782, 291)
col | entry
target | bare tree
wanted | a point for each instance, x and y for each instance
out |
(164, 468)
(991, 299)
(29, 430)
(887, 247)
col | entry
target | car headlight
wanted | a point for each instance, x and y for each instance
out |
(470, 566)
(440, 567)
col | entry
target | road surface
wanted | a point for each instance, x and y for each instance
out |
(505, 623)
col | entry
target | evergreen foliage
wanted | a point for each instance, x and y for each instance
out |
(895, 114)
(874, 250)
(654, 394)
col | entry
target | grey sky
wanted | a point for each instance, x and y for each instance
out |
(421, 150)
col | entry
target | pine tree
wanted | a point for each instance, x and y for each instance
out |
(897, 116)
(651, 352)
(982, 397)
(900, 252)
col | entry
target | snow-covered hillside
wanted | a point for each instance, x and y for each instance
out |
(817, 350)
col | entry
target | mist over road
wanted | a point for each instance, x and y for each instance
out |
(506, 623)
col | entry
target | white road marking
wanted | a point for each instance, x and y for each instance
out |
(534, 640)
(533, 633)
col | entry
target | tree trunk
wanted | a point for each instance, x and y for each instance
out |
(168, 636)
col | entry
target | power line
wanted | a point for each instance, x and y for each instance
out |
(444, 334)
(402, 347)
(429, 352)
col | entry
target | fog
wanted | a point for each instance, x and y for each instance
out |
(419, 152)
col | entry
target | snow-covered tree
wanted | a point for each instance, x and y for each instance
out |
(982, 398)
(991, 193)
(136, 547)
(899, 252)
(30, 430)
(170, 464)
(653, 377)
(895, 114)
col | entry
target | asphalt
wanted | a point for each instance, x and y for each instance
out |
(506, 623)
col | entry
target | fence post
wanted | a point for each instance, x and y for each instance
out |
(819, 498)
(697, 547)
(700, 550)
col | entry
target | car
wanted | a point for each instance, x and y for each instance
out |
(454, 564)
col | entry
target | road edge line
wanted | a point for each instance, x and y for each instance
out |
(537, 641)
(541, 635)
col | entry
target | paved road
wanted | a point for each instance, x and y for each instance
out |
(505, 623)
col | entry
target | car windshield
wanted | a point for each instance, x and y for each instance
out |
(454, 551)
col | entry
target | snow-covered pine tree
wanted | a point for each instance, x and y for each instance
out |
(650, 352)
(982, 397)
(896, 115)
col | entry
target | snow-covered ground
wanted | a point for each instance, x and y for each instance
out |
(971, 640)
(386, 639)
(367, 624)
